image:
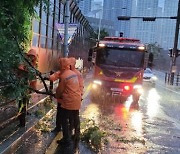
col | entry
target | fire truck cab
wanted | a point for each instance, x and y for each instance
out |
(118, 68)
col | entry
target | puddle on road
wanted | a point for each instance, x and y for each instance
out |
(138, 129)
(122, 124)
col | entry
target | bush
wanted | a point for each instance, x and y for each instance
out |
(15, 37)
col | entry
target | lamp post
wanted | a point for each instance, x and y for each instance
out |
(99, 28)
(175, 51)
(66, 25)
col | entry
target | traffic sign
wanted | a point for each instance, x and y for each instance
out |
(71, 31)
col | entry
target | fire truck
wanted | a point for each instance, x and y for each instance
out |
(118, 64)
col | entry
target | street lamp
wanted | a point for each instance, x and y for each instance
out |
(174, 50)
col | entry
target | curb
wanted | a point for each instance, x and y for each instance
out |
(53, 146)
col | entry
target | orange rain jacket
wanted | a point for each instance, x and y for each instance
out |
(55, 76)
(80, 77)
(33, 57)
(68, 91)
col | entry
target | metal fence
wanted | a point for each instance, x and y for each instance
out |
(176, 80)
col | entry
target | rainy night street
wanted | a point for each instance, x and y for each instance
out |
(153, 128)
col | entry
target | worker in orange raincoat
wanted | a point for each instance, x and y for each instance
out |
(76, 123)
(32, 55)
(53, 77)
(69, 95)
(80, 77)
(22, 105)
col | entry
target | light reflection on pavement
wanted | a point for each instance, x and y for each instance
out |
(92, 112)
(154, 121)
(153, 103)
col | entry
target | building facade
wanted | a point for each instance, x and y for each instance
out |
(168, 25)
(104, 24)
(85, 6)
(145, 31)
(112, 9)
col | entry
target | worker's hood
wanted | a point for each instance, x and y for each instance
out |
(32, 52)
(64, 64)
(72, 63)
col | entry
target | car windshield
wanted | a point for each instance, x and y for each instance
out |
(120, 57)
(148, 71)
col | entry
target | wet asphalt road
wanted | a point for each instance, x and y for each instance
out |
(152, 128)
(157, 121)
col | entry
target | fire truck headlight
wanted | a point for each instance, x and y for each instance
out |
(97, 82)
(101, 45)
(141, 48)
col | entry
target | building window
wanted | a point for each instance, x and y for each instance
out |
(36, 26)
(43, 29)
(44, 16)
(35, 40)
(49, 43)
(49, 32)
(43, 42)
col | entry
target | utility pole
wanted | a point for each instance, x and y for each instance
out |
(66, 25)
(175, 50)
(99, 29)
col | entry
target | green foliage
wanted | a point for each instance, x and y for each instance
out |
(44, 125)
(49, 104)
(103, 33)
(93, 136)
(154, 48)
(15, 37)
(39, 113)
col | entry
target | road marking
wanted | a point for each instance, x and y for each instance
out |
(168, 88)
(87, 91)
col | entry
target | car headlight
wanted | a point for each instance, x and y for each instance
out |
(154, 78)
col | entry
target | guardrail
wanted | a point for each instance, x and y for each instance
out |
(176, 80)
(23, 112)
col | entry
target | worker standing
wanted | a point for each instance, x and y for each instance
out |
(69, 95)
(23, 71)
(53, 77)
(75, 123)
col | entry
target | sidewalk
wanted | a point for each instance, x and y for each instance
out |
(54, 147)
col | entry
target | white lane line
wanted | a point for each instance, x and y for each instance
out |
(168, 88)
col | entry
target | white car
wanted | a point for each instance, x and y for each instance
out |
(148, 76)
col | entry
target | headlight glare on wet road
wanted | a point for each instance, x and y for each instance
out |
(153, 103)
(136, 122)
(139, 88)
(94, 86)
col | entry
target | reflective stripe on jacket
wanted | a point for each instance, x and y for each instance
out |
(68, 91)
